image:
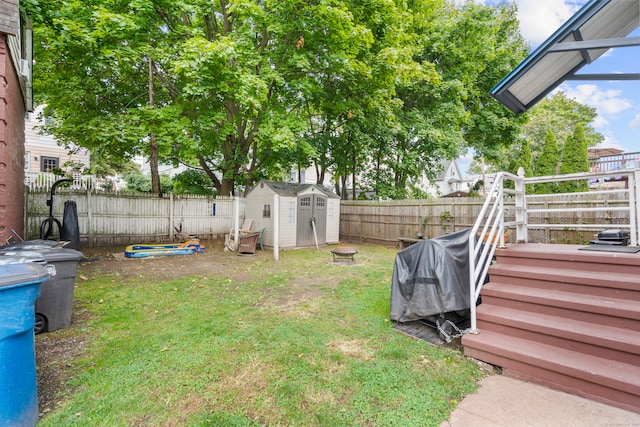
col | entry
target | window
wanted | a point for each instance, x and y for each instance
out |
(320, 203)
(47, 164)
(266, 211)
(27, 161)
(305, 201)
(292, 212)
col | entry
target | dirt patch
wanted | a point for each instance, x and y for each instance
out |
(214, 260)
(354, 348)
(54, 353)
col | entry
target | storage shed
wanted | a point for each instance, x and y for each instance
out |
(299, 207)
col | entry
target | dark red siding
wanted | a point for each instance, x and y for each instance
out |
(12, 113)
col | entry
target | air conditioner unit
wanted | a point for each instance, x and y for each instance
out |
(24, 68)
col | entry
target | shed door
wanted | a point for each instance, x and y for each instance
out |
(311, 207)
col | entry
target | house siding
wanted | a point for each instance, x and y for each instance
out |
(9, 17)
(288, 231)
(38, 145)
(253, 211)
(12, 112)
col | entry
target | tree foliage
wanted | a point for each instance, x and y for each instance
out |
(560, 115)
(575, 159)
(547, 164)
(374, 92)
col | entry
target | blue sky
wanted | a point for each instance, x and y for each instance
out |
(617, 102)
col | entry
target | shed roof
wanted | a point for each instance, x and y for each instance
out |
(598, 26)
(291, 189)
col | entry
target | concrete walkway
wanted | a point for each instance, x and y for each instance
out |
(507, 402)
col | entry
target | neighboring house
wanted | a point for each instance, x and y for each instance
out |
(15, 100)
(163, 168)
(310, 176)
(42, 152)
(448, 181)
(471, 180)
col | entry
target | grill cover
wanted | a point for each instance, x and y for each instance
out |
(431, 278)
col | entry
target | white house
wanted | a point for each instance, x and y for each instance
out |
(42, 152)
(307, 213)
(310, 176)
(448, 181)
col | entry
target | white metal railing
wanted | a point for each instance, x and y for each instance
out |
(489, 228)
(490, 225)
(44, 181)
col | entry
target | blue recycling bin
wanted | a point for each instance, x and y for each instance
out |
(19, 288)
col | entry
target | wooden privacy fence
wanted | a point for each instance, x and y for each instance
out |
(385, 222)
(125, 218)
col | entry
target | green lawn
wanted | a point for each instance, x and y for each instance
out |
(302, 341)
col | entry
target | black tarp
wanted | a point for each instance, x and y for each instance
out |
(431, 278)
(70, 231)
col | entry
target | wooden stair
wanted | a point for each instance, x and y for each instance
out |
(565, 318)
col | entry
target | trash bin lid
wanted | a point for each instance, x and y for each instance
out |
(48, 253)
(34, 244)
(16, 257)
(20, 273)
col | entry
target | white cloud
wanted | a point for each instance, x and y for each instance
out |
(605, 101)
(541, 18)
(635, 123)
(600, 122)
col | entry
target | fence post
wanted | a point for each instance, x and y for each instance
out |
(634, 211)
(89, 219)
(276, 226)
(521, 208)
(171, 219)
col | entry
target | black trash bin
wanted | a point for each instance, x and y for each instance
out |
(19, 286)
(53, 308)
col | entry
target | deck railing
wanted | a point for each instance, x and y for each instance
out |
(488, 232)
(490, 226)
(614, 162)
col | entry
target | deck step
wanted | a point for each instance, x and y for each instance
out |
(614, 307)
(564, 317)
(569, 256)
(625, 286)
(594, 377)
(604, 341)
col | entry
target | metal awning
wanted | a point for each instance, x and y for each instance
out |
(597, 27)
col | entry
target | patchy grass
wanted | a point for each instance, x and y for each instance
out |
(301, 341)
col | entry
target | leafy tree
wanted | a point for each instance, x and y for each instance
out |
(192, 181)
(483, 45)
(136, 181)
(443, 69)
(221, 79)
(574, 160)
(547, 164)
(560, 115)
(245, 90)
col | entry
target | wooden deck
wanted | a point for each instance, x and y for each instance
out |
(565, 318)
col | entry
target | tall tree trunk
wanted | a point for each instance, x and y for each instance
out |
(226, 188)
(345, 193)
(353, 172)
(153, 145)
(320, 174)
